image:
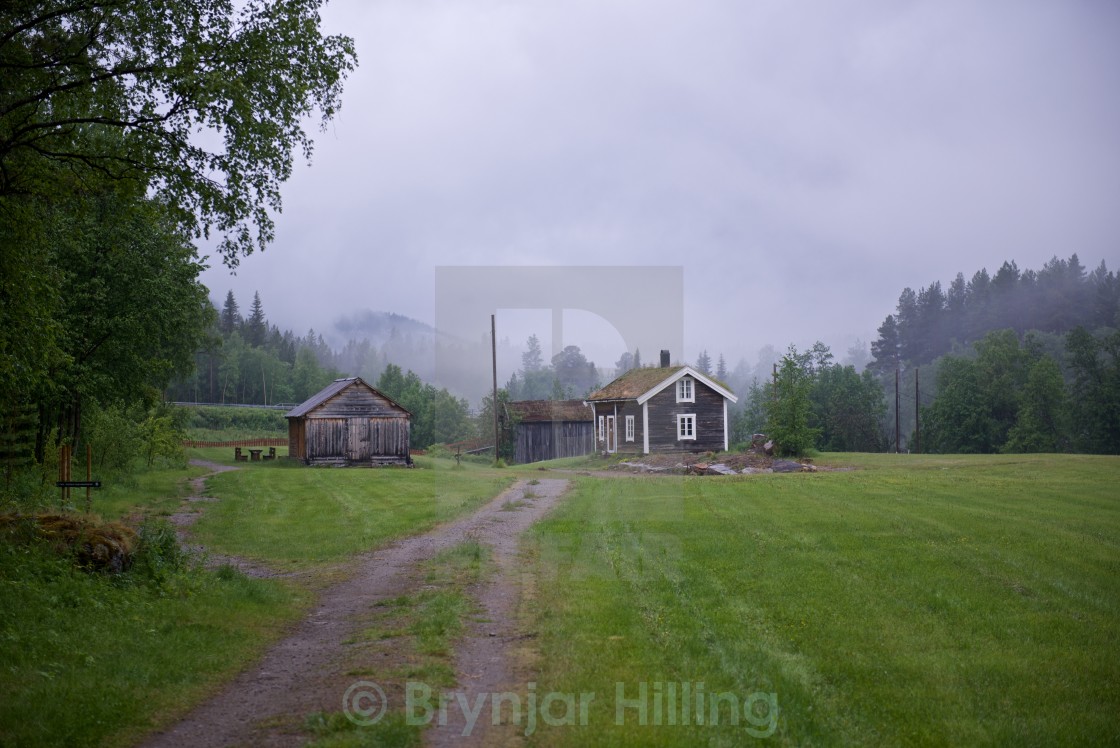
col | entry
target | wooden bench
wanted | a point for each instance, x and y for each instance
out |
(238, 457)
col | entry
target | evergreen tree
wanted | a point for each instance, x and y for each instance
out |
(704, 363)
(531, 359)
(231, 315)
(788, 412)
(721, 369)
(256, 327)
(886, 349)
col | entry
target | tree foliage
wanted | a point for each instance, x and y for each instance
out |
(438, 417)
(1010, 396)
(127, 306)
(1095, 390)
(100, 90)
(568, 375)
(814, 403)
(127, 131)
(789, 408)
(1060, 296)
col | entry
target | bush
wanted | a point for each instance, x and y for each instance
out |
(114, 436)
(158, 555)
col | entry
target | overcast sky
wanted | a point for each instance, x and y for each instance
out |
(802, 162)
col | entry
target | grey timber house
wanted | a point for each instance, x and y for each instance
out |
(549, 429)
(349, 423)
(667, 409)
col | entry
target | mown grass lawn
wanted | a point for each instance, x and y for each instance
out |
(288, 515)
(917, 600)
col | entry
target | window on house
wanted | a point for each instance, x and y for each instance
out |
(686, 426)
(685, 390)
(602, 428)
(629, 428)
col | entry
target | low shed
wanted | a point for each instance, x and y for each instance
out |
(349, 423)
(549, 429)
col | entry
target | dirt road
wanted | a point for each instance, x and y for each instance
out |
(312, 668)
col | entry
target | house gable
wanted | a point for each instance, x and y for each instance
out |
(345, 397)
(687, 371)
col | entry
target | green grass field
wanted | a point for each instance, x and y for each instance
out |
(91, 659)
(914, 600)
(917, 600)
(291, 516)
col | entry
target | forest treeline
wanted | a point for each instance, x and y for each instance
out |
(1022, 361)
(248, 360)
(1057, 298)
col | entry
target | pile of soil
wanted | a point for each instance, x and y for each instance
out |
(94, 543)
(702, 464)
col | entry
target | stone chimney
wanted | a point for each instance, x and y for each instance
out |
(664, 359)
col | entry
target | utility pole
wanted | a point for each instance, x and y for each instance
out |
(897, 408)
(494, 358)
(917, 415)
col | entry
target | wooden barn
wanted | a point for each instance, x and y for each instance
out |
(549, 429)
(667, 409)
(349, 423)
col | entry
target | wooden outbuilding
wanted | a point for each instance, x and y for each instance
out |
(666, 409)
(349, 423)
(550, 429)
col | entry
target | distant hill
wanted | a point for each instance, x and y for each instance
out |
(380, 328)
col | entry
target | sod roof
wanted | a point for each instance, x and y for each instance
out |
(529, 411)
(634, 383)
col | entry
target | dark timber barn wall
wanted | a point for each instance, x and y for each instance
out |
(548, 430)
(349, 423)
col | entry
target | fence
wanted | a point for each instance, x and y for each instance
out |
(272, 442)
(275, 406)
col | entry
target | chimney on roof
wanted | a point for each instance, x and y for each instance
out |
(664, 359)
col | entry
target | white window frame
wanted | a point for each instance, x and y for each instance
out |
(629, 428)
(686, 390)
(690, 419)
(602, 428)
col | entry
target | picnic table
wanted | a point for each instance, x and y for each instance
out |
(255, 454)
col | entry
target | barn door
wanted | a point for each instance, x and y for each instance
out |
(612, 435)
(357, 448)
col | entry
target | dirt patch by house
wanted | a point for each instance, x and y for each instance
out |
(725, 463)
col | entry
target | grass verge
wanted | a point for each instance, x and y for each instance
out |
(92, 659)
(918, 600)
